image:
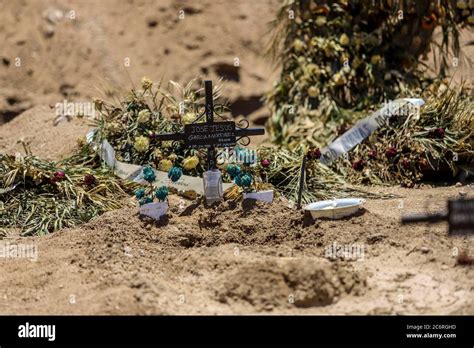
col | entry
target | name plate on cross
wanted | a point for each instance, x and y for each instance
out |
(208, 135)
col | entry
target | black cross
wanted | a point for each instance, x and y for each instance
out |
(210, 134)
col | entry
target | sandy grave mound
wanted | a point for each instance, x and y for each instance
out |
(45, 139)
(184, 245)
(122, 247)
(182, 250)
(191, 224)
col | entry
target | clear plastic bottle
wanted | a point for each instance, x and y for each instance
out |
(213, 186)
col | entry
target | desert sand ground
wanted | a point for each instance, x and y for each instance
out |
(83, 49)
(235, 258)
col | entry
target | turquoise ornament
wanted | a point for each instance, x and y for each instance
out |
(233, 171)
(175, 173)
(243, 180)
(140, 193)
(149, 174)
(161, 193)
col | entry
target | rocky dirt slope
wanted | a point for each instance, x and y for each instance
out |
(56, 50)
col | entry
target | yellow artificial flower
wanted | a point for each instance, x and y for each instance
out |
(461, 4)
(144, 116)
(312, 69)
(81, 141)
(165, 165)
(356, 62)
(338, 79)
(190, 162)
(375, 59)
(314, 42)
(158, 154)
(146, 83)
(173, 157)
(298, 45)
(344, 40)
(141, 144)
(320, 21)
(113, 128)
(188, 118)
(313, 91)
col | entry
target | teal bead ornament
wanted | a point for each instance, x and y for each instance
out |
(161, 193)
(244, 180)
(233, 171)
(140, 193)
(175, 173)
(149, 174)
